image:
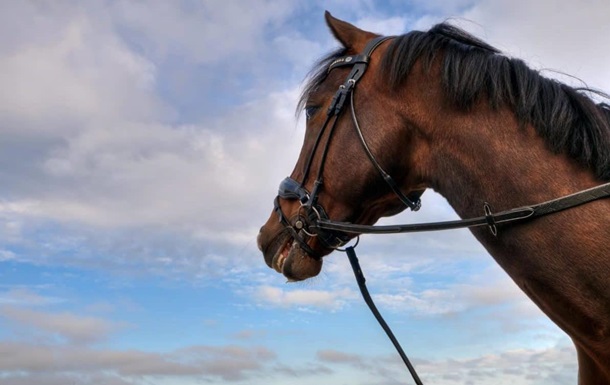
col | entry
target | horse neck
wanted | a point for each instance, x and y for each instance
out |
(483, 154)
(486, 155)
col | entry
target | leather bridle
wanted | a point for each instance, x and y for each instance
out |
(313, 221)
(305, 224)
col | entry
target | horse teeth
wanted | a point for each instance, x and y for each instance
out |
(281, 260)
(283, 255)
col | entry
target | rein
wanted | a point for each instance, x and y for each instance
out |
(489, 219)
(312, 221)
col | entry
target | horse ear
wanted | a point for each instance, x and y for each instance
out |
(347, 34)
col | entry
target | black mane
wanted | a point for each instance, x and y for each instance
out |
(566, 117)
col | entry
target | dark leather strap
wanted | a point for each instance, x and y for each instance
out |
(513, 215)
(413, 200)
(359, 64)
(353, 259)
(349, 61)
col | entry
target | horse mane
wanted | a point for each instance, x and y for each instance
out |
(567, 118)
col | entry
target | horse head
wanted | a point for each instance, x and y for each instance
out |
(351, 165)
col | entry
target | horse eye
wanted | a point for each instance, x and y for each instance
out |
(311, 111)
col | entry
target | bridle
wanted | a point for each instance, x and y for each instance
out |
(313, 221)
(305, 224)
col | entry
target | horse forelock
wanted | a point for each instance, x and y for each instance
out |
(316, 76)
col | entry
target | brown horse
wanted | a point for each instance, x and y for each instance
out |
(443, 110)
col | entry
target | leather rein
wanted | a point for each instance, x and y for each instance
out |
(313, 221)
(490, 219)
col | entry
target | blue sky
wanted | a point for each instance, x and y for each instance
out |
(141, 145)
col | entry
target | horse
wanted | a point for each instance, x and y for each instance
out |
(446, 111)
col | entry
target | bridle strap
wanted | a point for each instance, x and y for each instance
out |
(415, 204)
(490, 219)
(313, 150)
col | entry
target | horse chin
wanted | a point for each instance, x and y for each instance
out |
(294, 263)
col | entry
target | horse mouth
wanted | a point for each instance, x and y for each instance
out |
(287, 257)
(280, 256)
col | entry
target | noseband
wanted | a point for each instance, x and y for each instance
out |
(304, 225)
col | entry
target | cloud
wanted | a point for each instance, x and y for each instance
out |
(556, 365)
(202, 32)
(249, 334)
(25, 296)
(489, 296)
(552, 41)
(62, 379)
(103, 194)
(85, 74)
(270, 295)
(229, 363)
(85, 107)
(64, 345)
(303, 371)
(335, 356)
(72, 328)
(6, 255)
(92, 154)
(551, 365)
(386, 26)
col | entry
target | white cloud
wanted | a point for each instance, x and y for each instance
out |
(74, 347)
(270, 295)
(151, 174)
(551, 34)
(556, 365)
(385, 26)
(71, 327)
(108, 159)
(86, 74)
(188, 190)
(336, 356)
(553, 365)
(486, 289)
(228, 363)
(6, 255)
(203, 32)
(89, 148)
(25, 296)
